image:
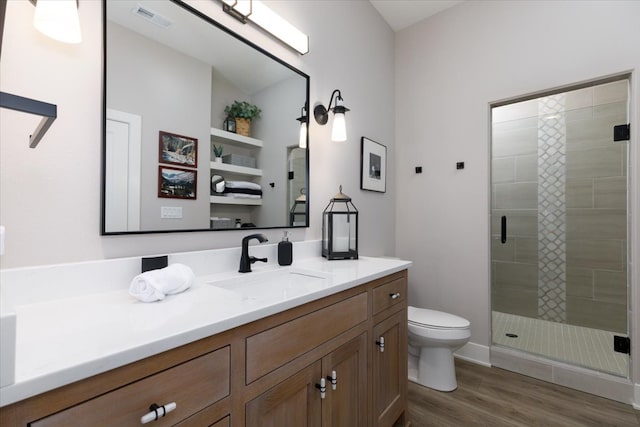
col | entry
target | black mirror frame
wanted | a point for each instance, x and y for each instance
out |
(211, 21)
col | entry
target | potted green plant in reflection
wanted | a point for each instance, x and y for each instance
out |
(243, 112)
(217, 152)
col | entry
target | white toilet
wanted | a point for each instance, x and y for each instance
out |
(433, 337)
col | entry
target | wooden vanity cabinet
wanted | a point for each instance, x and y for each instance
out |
(272, 348)
(299, 400)
(293, 402)
(259, 374)
(225, 422)
(390, 374)
(390, 370)
(347, 405)
(197, 377)
(192, 386)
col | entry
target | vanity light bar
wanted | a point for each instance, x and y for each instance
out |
(260, 14)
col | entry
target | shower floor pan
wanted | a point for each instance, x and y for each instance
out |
(586, 347)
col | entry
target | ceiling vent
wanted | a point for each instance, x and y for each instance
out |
(151, 16)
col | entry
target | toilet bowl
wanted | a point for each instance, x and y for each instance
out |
(433, 337)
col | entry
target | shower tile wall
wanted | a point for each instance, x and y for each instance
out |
(596, 199)
(552, 214)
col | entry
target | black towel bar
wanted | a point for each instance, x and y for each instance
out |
(49, 113)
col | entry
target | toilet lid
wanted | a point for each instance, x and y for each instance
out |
(436, 319)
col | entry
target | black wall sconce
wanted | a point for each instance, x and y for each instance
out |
(321, 114)
(303, 119)
(58, 19)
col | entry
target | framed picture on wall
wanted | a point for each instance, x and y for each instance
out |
(177, 183)
(178, 149)
(373, 166)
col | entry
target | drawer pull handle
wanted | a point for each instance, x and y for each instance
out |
(157, 412)
(380, 344)
(333, 379)
(322, 387)
(395, 295)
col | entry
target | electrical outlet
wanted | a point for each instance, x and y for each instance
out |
(170, 212)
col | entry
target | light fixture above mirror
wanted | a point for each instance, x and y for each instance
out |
(261, 15)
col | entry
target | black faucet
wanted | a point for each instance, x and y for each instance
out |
(245, 259)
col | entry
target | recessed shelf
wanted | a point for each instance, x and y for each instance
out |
(222, 200)
(242, 170)
(234, 139)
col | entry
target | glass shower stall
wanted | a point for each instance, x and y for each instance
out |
(559, 225)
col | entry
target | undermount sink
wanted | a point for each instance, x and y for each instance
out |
(274, 285)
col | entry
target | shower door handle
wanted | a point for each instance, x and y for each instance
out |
(503, 229)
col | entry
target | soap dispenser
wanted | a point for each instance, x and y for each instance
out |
(285, 251)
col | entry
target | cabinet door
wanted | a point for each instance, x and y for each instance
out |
(347, 404)
(294, 402)
(390, 369)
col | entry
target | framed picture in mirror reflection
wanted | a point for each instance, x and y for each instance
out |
(177, 183)
(178, 149)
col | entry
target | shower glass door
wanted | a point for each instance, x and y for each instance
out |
(559, 226)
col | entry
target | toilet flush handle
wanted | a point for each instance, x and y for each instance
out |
(380, 344)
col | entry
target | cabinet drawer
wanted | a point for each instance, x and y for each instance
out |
(192, 385)
(225, 422)
(389, 294)
(274, 347)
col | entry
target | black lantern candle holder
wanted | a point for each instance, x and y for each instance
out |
(340, 228)
(229, 124)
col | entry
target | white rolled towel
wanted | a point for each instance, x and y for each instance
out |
(154, 285)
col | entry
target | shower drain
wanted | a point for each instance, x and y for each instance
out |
(510, 335)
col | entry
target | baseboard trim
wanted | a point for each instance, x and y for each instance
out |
(475, 353)
(586, 380)
(636, 403)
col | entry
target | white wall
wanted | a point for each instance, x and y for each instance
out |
(448, 69)
(50, 196)
(162, 108)
(278, 101)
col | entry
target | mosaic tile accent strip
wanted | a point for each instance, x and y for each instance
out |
(552, 266)
(586, 347)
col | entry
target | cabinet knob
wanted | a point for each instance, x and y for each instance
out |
(395, 295)
(380, 344)
(322, 387)
(157, 412)
(333, 379)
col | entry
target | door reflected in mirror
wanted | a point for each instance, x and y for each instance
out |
(169, 69)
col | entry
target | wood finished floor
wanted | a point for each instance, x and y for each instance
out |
(496, 397)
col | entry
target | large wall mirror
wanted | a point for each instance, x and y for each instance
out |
(170, 71)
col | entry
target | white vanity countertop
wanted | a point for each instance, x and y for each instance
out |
(65, 340)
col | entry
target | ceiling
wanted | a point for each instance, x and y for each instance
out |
(400, 14)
